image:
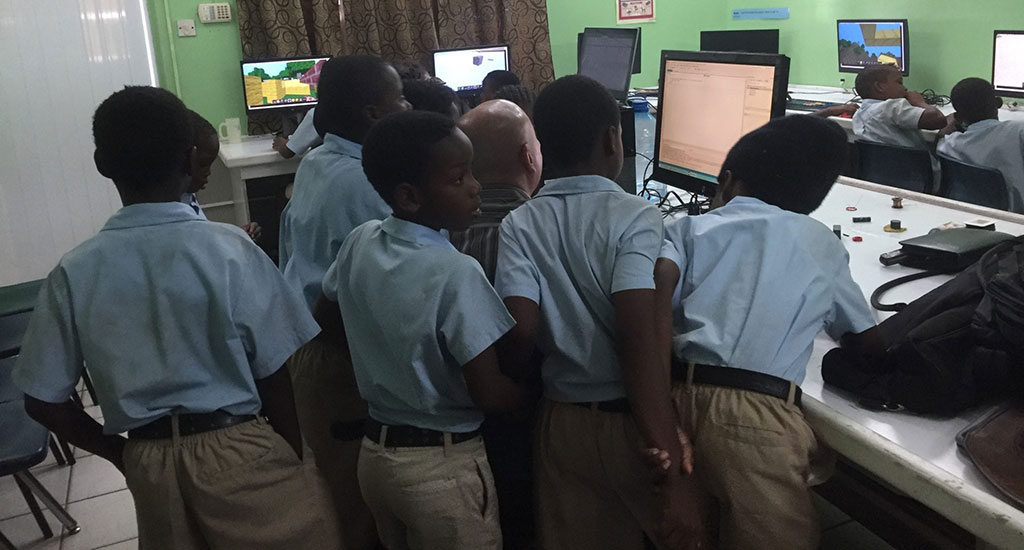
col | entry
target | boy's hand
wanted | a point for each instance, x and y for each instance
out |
(661, 463)
(682, 524)
(838, 110)
(254, 230)
(280, 145)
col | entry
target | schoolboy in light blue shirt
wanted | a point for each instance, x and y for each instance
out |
(985, 140)
(420, 320)
(891, 114)
(331, 195)
(576, 270)
(184, 325)
(757, 281)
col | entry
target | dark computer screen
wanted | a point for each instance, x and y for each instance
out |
(281, 83)
(1008, 63)
(636, 57)
(867, 42)
(708, 101)
(607, 56)
(750, 41)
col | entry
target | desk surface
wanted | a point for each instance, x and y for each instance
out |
(251, 151)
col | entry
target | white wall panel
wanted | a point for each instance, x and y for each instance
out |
(60, 59)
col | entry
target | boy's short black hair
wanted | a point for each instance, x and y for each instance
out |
(201, 128)
(520, 95)
(347, 84)
(790, 162)
(399, 148)
(501, 78)
(974, 99)
(143, 136)
(429, 95)
(870, 76)
(410, 70)
(570, 116)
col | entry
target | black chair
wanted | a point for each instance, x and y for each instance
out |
(965, 182)
(904, 167)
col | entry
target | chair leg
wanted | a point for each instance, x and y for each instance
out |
(68, 453)
(26, 492)
(70, 525)
(57, 454)
(89, 387)
(6, 543)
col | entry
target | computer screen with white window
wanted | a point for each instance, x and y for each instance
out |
(708, 101)
(1008, 63)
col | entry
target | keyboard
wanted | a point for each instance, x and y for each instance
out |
(809, 104)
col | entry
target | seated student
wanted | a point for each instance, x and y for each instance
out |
(331, 197)
(576, 270)
(507, 163)
(207, 143)
(420, 321)
(429, 95)
(759, 280)
(410, 70)
(891, 114)
(184, 325)
(494, 81)
(302, 139)
(520, 95)
(985, 140)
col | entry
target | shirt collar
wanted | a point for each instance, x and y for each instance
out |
(574, 185)
(498, 191)
(343, 146)
(982, 125)
(151, 213)
(414, 232)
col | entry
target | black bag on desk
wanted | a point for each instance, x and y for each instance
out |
(951, 348)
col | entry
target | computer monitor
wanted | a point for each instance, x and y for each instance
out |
(607, 56)
(1008, 63)
(636, 56)
(750, 41)
(867, 42)
(288, 83)
(709, 100)
(464, 69)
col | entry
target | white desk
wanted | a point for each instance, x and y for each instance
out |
(916, 455)
(252, 158)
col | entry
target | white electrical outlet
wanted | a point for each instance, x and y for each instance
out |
(215, 13)
(186, 27)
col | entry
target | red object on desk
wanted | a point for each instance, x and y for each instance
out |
(845, 115)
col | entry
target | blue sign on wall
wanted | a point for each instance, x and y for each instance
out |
(760, 13)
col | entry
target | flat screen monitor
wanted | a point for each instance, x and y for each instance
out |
(464, 69)
(709, 100)
(636, 56)
(867, 42)
(1008, 63)
(607, 56)
(750, 41)
(288, 83)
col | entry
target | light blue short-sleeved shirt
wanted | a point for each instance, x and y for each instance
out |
(892, 121)
(757, 284)
(416, 310)
(992, 144)
(578, 241)
(331, 196)
(305, 135)
(193, 201)
(170, 313)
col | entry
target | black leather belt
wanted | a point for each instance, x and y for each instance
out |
(739, 379)
(411, 436)
(188, 424)
(612, 406)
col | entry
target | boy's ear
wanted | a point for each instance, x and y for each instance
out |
(406, 198)
(372, 114)
(101, 165)
(612, 140)
(997, 102)
(192, 161)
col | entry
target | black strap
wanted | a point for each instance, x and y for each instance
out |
(898, 306)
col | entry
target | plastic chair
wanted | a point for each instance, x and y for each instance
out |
(965, 182)
(904, 167)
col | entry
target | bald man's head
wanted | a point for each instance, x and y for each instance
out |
(505, 147)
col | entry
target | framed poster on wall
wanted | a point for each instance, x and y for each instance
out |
(634, 11)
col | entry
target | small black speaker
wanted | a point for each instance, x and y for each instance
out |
(628, 130)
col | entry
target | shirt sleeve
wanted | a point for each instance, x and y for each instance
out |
(906, 115)
(305, 135)
(50, 362)
(472, 316)
(850, 311)
(516, 274)
(638, 248)
(331, 284)
(272, 319)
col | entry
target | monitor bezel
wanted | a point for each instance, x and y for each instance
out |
(736, 32)
(290, 107)
(1000, 91)
(781, 82)
(433, 62)
(619, 95)
(906, 44)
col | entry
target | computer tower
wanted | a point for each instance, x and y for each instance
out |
(627, 178)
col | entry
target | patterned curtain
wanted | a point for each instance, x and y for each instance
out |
(393, 29)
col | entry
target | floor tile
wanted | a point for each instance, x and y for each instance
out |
(54, 478)
(25, 534)
(105, 520)
(828, 515)
(852, 536)
(126, 545)
(93, 476)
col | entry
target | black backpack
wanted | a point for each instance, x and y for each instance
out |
(950, 349)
